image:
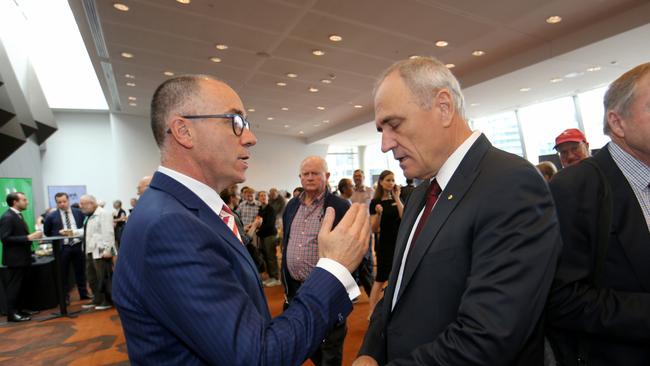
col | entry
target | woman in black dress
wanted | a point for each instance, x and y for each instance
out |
(385, 216)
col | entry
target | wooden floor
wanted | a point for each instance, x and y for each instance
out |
(96, 337)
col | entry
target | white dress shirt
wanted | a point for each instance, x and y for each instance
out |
(77, 230)
(214, 201)
(444, 175)
(100, 236)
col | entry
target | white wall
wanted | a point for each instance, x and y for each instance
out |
(109, 153)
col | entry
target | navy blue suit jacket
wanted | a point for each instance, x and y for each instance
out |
(188, 293)
(53, 223)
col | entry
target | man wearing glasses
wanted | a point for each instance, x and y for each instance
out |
(185, 287)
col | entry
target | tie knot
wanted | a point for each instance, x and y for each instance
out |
(227, 210)
(434, 188)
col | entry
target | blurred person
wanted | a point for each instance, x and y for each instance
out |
(297, 191)
(345, 189)
(572, 146)
(267, 234)
(407, 190)
(119, 219)
(362, 193)
(248, 208)
(143, 184)
(547, 169)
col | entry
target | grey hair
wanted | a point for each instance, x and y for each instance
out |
(175, 94)
(425, 76)
(320, 159)
(620, 94)
(89, 197)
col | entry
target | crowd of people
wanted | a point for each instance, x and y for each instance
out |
(487, 261)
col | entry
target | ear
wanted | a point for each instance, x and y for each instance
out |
(327, 176)
(445, 104)
(616, 124)
(181, 132)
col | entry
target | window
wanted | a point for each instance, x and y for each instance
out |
(542, 122)
(502, 130)
(341, 161)
(376, 162)
(592, 111)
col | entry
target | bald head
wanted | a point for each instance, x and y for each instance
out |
(88, 204)
(143, 184)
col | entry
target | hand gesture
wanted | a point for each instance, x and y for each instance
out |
(348, 242)
(379, 209)
(35, 235)
(397, 189)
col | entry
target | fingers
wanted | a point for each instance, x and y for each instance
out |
(348, 218)
(328, 221)
(361, 216)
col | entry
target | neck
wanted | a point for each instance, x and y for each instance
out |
(311, 196)
(191, 169)
(644, 158)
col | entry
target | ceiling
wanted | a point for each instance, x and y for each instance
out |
(267, 39)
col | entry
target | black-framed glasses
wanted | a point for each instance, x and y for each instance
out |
(237, 121)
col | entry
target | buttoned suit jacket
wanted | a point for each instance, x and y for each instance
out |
(477, 277)
(188, 292)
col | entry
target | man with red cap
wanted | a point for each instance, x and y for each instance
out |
(572, 146)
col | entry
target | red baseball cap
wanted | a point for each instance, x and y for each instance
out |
(570, 135)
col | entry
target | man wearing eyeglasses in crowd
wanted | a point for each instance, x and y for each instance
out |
(572, 146)
(186, 289)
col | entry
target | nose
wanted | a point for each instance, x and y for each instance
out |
(247, 138)
(387, 141)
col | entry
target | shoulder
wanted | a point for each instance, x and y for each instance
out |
(336, 202)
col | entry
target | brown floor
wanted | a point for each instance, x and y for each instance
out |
(96, 338)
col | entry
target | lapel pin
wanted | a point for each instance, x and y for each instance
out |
(450, 196)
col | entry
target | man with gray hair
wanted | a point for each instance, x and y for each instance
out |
(599, 307)
(186, 289)
(99, 243)
(478, 241)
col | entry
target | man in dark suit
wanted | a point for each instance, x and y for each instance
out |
(185, 287)
(17, 252)
(599, 306)
(478, 242)
(301, 223)
(66, 220)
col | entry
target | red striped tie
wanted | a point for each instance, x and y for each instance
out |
(228, 218)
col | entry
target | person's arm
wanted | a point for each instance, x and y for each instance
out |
(376, 211)
(574, 303)
(107, 234)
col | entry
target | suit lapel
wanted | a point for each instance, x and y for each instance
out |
(627, 219)
(459, 184)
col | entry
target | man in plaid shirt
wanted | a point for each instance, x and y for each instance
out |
(301, 224)
(249, 208)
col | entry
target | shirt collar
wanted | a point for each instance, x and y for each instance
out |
(14, 210)
(202, 190)
(448, 169)
(316, 200)
(636, 172)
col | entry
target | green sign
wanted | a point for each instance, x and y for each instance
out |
(8, 185)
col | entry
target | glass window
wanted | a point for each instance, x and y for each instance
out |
(341, 161)
(542, 122)
(502, 130)
(375, 162)
(592, 111)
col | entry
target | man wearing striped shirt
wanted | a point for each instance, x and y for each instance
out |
(599, 307)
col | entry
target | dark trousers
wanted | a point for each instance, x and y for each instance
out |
(269, 253)
(330, 351)
(98, 272)
(13, 286)
(72, 254)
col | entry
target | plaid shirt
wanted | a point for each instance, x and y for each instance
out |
(302, 248)
(637, 174)
(247, 211)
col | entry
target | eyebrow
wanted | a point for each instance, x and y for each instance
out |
(387, 119)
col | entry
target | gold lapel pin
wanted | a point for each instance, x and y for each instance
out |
(450, 196)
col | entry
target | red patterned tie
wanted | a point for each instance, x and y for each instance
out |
(228, 218)
(432, 196)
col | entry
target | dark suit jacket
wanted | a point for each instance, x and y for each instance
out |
(53, 223)
(476, 279)
(188, 293)
(613, 319)
(16, 249)
(340, 207)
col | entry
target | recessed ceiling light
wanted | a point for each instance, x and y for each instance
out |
(133, 104)
(326, 81)
(358, 106)
(133, 98)
(475, 104)
(281, 83)
(127, 55)
(318, 52)
(553, 19)
(168, 73)
(450, 66)
(524, 89)
(129, 76)
(251, 110)
(184, 2)
(478, 53)
(270, 118)
(316, 124)
(284, 108)
(215, 59)
(292, 75)
(130, 84)
(320, 108)
(573, 75)
(555, 80)
(221, 46)
(301, 132)
(442, 44)
(413, 57)
(313, 90)
(326, 121)
(121, 7)
(286, 126)
(335, 38)
(594, 68)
